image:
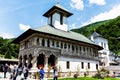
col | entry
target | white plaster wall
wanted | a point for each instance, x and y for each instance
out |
(76, 63)
(98, 41)
(56, 22)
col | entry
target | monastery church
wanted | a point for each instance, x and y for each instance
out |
(53, 45)
(107, 57)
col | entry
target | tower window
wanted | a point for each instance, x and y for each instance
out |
(61, 19)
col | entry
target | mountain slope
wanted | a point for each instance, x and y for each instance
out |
(110, 29)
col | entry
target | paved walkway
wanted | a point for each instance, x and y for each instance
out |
(8, 76)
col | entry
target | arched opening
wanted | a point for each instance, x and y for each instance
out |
(40, 60)
(20, 62)
(25, 60)
(51, 60)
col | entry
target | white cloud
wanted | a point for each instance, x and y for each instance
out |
(113, 13)
(6, 35)
(98, 2)
(72, 26)
(77, 4)
(24, 27)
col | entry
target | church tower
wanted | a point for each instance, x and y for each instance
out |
(57, 17)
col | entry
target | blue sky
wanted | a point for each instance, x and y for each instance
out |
(16, 16)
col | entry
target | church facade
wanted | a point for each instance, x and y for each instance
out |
(107, 57)
(53, 45)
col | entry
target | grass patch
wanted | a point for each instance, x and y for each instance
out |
(86, 78)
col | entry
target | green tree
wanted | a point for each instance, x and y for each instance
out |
(8, 54)
(8, 49)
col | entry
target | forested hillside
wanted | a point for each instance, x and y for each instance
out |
(8, 49)
(109, 29)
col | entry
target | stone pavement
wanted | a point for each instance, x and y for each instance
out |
(8, 76)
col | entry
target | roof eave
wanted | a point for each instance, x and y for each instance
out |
(23, 36)
(53, 8)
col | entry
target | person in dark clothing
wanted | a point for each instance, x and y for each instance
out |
(25, 71)
(55, 72)
(5, 70)
(41, 73)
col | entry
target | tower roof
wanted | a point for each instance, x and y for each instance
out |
(58, 8)
(95, 34)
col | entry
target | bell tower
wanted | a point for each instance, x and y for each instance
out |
(57, 17)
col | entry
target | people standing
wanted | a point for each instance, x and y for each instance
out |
(15, 72)
(55, 72)
(41, 73)
(19, 76)
(25, 71)
(5, 70)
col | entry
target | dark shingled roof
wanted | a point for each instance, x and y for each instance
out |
(58, 8)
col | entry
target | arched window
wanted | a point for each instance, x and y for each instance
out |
(68, 46)
(37, 41)
(48, 43)
(43, 42)
(61, 45)
(57, 44)
(73, 48)
(76, 49)
(80, 48)
(53, 43)
(65, 46)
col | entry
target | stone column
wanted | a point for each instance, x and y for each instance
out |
(51, 43)
(20, 61)
(56, 61)
(74, 49)
(46, 63)
(70, 47)
(46, 40)
(40, 41)
(29, 61)
(78, 49)
(23, 61)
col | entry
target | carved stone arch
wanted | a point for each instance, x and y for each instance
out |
(28, 52)
(41, 60)
(54, 54)
(51, 60)
(25, 60)
(30, 56)
(41, 52)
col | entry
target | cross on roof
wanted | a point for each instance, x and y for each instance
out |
(57, 1)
